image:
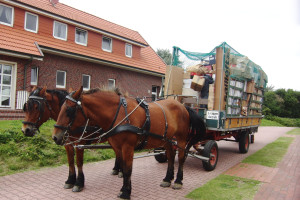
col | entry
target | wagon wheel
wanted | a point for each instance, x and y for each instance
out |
(162, 157)
(212, 152)
(244, 143)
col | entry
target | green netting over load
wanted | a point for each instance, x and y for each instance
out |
(240, 65)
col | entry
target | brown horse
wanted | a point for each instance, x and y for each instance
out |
(41, 106)
(126, 123)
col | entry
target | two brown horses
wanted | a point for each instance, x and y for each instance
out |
(41, 106)
(128, 123)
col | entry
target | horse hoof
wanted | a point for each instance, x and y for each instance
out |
(114, 172)
(165, 184)
(120, 175)
(123, 196)
(68, 186)
(77, 188)
(177, 186)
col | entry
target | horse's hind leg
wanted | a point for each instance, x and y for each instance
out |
(79, 184)
(117, 170)
(170, 152)
(181, 160)
(72, 173)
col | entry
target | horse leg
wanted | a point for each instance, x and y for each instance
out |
(117, 170)
(127, 161)
(80, 178)
(72, 173)
(181, 159)
(170, 171)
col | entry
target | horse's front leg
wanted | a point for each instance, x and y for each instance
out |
(72, 173)
(127, 161)
(170, 152)
(79, 184)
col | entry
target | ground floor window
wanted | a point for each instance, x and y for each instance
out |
(34, 76)
(86, 81)
(61, 79)
(155, 90)
(7, 77)
(111, 83)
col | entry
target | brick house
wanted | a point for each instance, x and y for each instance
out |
(47, 43)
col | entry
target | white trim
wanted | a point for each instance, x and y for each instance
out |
(69, 21)
(89, 81)
(37, 22)
(129, 45)
(12, 16)
(65, 77)
(111, 45)
(86, 39)
(60, 38)
(19, 55)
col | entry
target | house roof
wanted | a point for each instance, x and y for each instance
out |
(18, 40)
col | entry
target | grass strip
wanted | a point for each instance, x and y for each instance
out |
(295, 131)
(225, 187)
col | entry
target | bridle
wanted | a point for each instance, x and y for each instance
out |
(40, 101)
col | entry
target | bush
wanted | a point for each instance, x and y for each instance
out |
(289, 122)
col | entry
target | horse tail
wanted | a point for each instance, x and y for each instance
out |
(197, 128)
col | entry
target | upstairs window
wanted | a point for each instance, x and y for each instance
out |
(6, 15)
(86, 81)
(81, 36)
(60, 30)
(128, 50)
(106, 44)
(61, 79)
(34, 76)
(31, 22)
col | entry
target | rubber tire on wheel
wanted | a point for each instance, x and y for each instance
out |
(161, 158)
(210, 150)
(244, 143)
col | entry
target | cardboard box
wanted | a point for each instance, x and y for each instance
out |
(197, 83)
(189, 92)
(250, 86)
(173, 80)
(187, 75)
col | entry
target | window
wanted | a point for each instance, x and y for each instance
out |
(6, 15)
(31, 22)
(106, 44)
(34, 76)
(6, 75)
(81, 36)
(111, 83)
(155, 90)
(128, 50)
(86, 81)
(61, 79)
(60, 30)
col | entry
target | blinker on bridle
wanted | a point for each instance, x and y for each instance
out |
(39, 101)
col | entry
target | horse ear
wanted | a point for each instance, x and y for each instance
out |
(34, 88)
(78, 93)
(43, 91)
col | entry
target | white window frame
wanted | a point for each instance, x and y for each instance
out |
(84, 88)
(13, 84)
(113, 83)
(65, 77)
(128, 54)
(86, 38)
(37, 76)
(12, 16)
(108, 50)
(57, 37)
(37, 22)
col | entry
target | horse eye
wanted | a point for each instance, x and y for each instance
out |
(70, 112)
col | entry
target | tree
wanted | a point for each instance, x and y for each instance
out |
(166, 55)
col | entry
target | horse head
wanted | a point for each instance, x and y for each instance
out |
(37, 111)
(70, 116)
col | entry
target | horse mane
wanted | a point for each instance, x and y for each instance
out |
(94, 90)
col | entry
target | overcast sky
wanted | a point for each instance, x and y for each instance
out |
(267, 31)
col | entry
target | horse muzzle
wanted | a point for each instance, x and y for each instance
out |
(29, 131)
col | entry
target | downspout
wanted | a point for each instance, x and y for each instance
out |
(25, 72)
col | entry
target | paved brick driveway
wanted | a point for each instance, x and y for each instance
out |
(147, 175)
